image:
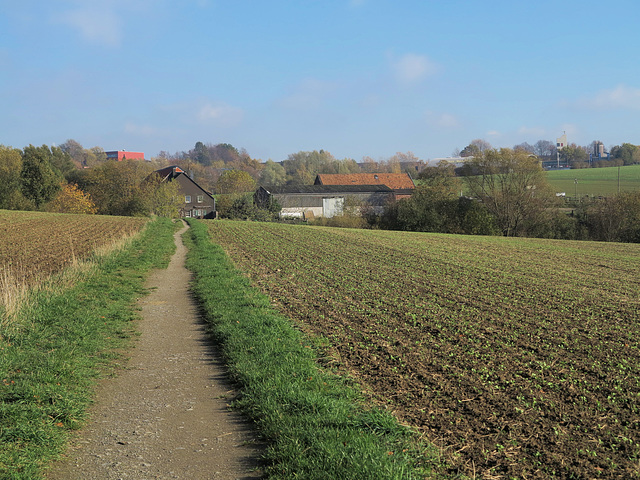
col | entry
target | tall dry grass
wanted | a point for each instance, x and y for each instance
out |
(18, 283)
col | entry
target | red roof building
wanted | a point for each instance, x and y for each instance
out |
(120, 155)
(395, 181)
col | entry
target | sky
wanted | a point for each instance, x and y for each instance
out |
(357, 78)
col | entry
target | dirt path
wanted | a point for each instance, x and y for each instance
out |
(165, 416)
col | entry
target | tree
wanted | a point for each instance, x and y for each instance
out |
(441, 178)
(164, 199)
(302, 167)
(408, 159)
(201, 154)
(39, 183)
(513, 187)
(273, 174)
(98, 154)
(223, 152)
(627, 152)
(574, 155)
(71, 199)
(545, 149)
(11, 198)
(117, 187)
(435, 206)
(476, 147)
(81, 157)
(61, 163)
(234, 182)
(74, 150)
(614, 219)
(526, 147)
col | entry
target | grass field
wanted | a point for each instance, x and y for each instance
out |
(595, 181)
(517, 358)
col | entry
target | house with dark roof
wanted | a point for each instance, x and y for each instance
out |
(198, 203)
(310, 201)
(401, 183)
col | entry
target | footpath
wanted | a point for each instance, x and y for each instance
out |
(165, 415)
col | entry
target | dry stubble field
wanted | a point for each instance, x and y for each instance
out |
(34, 245)
(519, 358)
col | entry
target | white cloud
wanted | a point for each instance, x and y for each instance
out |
(103, 22)
(493, 133)
(310, 94)
(532, 131)
(141, 130)
(220, 114)
(97, 22)
(570, 129)
(411, 68)
(444, 120)
(620, 97)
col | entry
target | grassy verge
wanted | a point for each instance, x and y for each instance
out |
(59, 342)
(315, 424)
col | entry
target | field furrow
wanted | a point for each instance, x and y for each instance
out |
(519, 358)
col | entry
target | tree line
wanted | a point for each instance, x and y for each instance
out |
(50, 179)
(572, 155)
(508, 195)
(507, 189)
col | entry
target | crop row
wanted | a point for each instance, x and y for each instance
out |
(34, 245)
(518, 357)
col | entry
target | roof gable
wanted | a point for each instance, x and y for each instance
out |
(169, 174)
(395, 181)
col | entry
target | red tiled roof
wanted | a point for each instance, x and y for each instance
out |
(395, 181)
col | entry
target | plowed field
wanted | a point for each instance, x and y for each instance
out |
(34, 245)
(519, 358)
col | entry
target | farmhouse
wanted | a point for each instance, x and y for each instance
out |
(400, 183)
(198, 203)
(309, 201)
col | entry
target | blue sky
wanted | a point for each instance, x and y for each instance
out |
(354, 77)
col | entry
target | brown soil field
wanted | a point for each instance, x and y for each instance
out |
(518, 358)
(34, 245)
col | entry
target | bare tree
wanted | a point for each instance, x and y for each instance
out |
(512, 185)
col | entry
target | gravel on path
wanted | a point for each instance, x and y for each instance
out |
(165, 416)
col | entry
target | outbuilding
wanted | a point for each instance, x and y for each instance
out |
(310, 201)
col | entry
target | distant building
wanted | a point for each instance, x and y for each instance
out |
(120, 155)
(198, 203)
(561, 142)
(312, 201)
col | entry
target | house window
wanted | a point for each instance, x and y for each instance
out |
(187, 199)
(200, 199)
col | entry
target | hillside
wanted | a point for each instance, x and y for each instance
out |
(595, 181)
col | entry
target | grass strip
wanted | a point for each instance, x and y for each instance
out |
(60, 342)
(315, 423)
